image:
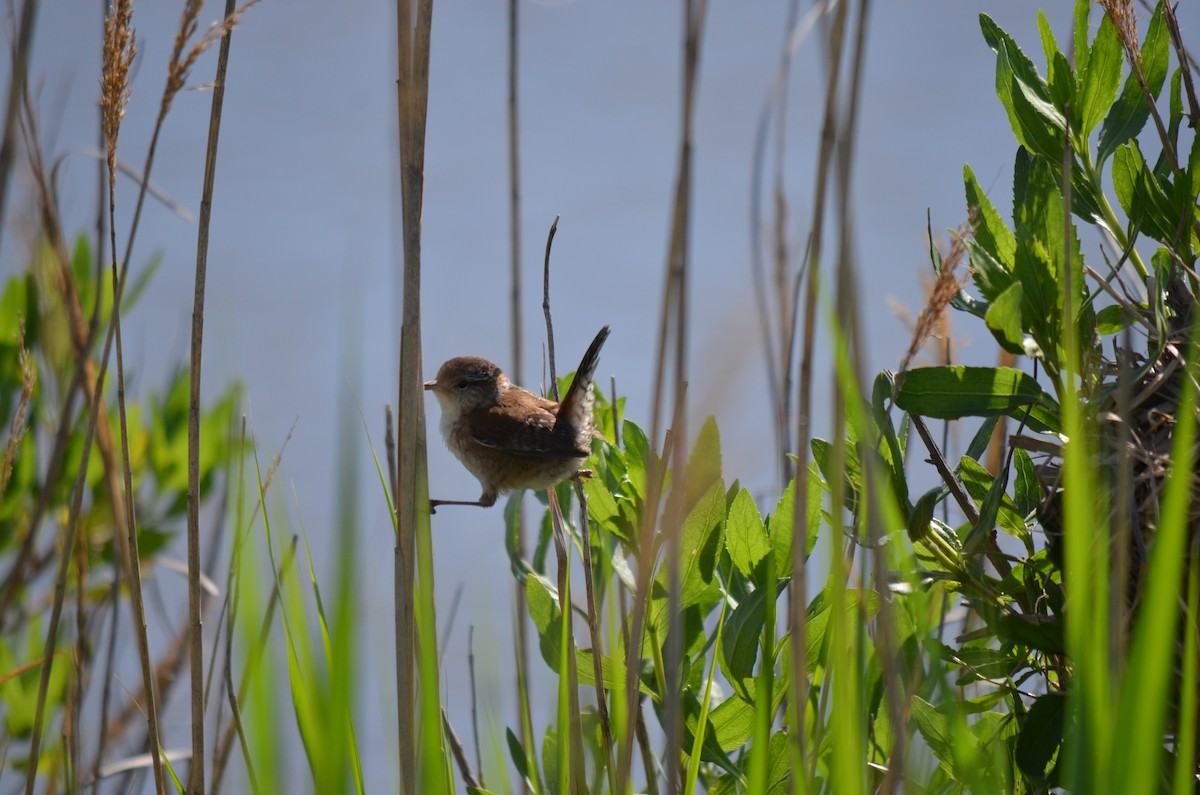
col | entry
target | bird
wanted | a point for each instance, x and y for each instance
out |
(508, 437)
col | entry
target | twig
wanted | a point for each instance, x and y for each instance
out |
(1184, 63)
(575, 747)
(457, 751)
(674, 308)
(195, 619)
(16, 87)
(514, 201)
(251, 663)
(553, 386)
(558, 531)
(474, 703)
(593, 622)
(797, 618)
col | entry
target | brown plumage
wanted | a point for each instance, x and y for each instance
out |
(508, 437)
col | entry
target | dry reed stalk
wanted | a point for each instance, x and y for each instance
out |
(120, 49)
(515, 315)
(797, 619)
(16, 87)
(847, 299)
(17, 428)
(673, 324)
(593, 619)
(195, 618)
(411, 488)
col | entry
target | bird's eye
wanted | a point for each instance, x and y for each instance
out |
(461, 385)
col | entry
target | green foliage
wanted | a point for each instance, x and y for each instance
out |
(1042, 657)
(42, 361)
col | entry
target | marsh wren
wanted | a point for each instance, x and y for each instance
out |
(508, 437)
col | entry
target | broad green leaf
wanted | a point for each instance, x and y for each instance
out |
(704, 463)
(994, 503)
(1080, 34)
(732, 723)
(922, 513)
(637, 453)
(1027, 487)
(982, 438)
(1114, 318)
(1049, 45)
(1041, 734)
(1004, 319)
(547, 619)
(991, 233)
(612, 671)
(1100, 76)
(745, 536)
(1041, 258)
(1128, 115)
(851, 470)
(740, 641)
(935, 729)
(889, 448)
(950, 393)
(699, 546)
(1022, 68)
(1036, 631)
(780, 524)
(1062, 86)
(1125, 169)
(1041, 126)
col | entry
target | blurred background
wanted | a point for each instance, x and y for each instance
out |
(303, 282)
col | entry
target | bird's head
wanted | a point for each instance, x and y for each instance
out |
(466, 383)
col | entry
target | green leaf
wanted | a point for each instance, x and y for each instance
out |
(780, 524)
(1027, 487)
(1041, 734)
(520, 759)
(935, 729)
(890, 450)
(704, 463)
(995, 505)
(740, 641)
(637, 453)
(950, 393)
(745, 536)
(922, 513)
(1040, 126)
(1003, 319)
(732, 723)
(1114, 318)
(1100, 76)
(547, 619)
(1035, 631)
(1128, 115)
(1041, 261)
(699, 545)
(1062, 85)
(1049, 45)
(991, 233)
(1080, 33)
(982, 438)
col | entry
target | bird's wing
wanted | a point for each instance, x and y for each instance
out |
(521, 423)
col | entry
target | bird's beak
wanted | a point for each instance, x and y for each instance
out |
(430, 385)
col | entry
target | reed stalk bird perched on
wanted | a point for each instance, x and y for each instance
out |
(508, 437)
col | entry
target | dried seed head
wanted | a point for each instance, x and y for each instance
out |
(120, 47)
(181, 61)
(947, 285)
(1124, 17)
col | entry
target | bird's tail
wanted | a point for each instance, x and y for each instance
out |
(576, 407)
